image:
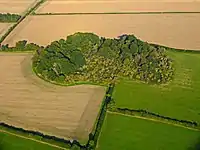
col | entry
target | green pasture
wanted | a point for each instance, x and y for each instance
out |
(127, 133)
(11, 142)
(178, 99)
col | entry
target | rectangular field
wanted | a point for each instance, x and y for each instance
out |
(4, 27)
(128, 133)
(12, 142)
(116, 6)
(168, 29)
(15, 6)
(31, 103)
(179, 99)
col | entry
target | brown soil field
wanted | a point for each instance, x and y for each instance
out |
(15, 6)
(4, 27)
(173, 30)
(31, 103)
(116, 6)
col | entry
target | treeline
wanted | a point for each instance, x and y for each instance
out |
(87, 57)
(21, 46)
(9, 18)
(144, 113)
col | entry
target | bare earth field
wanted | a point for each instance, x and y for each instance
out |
(116, 6)
(31, 103)
(172, 30)
(15, 6)
(4, 27)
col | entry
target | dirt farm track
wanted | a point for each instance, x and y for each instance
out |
(28, 102)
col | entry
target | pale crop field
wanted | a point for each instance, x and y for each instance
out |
(173, 30)
(31, 103)
(4, 27)
(15, 6)
(117, 6)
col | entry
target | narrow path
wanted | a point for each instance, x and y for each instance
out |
(155, 120)
(20, 136)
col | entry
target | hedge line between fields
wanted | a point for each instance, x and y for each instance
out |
(145, 113)
(114, 13)
(20, 20)
(93, 137)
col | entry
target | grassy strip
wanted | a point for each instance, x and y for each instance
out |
(20, 20)
(123, 13)
(147, 114)
(36, 135)
(13, 141)
(154, 120)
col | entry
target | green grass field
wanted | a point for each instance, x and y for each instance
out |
(179, 99)
(127, 133)
(11, 142)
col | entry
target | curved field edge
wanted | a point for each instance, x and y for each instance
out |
(28, 73)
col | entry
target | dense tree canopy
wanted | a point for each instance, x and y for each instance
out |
(9, 17)
(87, 57)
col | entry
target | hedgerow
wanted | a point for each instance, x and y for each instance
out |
(9, 18)
(21, 46)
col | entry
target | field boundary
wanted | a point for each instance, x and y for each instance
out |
(93, 136)
(42, 137)
(155, 120)
(147, 114)
(29, 11)
(119, 13)
(32, 139)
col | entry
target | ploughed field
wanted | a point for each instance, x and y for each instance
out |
(30, 103)
(125, 133)
(106, 6)
(171, 30)
(15, 6)
(178, 99)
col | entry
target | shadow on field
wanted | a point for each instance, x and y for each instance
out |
(196, 145)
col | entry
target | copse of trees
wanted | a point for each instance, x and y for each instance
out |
(9, 17)
(87, 57)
